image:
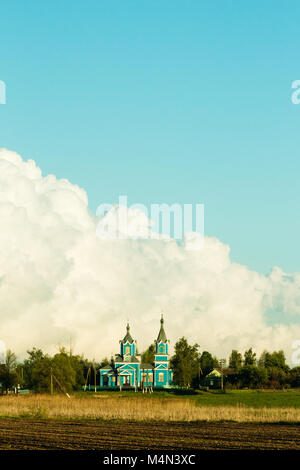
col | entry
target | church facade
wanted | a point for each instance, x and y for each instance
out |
(129, 372)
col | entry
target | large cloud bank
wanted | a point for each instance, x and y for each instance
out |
(59, 280)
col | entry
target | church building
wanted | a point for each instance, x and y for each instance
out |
(129, 372)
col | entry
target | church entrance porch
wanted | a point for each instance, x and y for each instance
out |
(126, 381)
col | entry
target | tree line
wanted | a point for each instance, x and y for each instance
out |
(39, 369)
(190, 367)
(246, 370)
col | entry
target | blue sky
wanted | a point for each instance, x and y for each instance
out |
(164, 101)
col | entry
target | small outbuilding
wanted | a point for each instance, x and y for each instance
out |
(213, 380)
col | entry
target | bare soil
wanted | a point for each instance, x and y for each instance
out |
(16, 433)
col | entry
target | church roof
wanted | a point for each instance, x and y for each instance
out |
(161, 335)
(221, 371)
(120, 359)
(127, 338)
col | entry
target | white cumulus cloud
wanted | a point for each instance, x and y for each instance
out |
(58, 279)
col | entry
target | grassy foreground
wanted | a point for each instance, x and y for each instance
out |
(139, 407)
(289, 398)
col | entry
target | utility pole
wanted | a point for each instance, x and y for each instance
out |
(222, 363)
(51, 381)
(88, 375)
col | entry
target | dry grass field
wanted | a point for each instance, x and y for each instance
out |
(100, 421)
(139, 408)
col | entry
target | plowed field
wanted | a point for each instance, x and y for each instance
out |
(25, 434)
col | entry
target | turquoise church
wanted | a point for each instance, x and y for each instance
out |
(129, 372)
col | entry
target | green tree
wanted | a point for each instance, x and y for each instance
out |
(64, 373)
(34, 356)
(62, 367)
(185, 363)
(78, 364)
(40, 374)
(8, 374)
(262, 359)
(252, 376)
(276, 359)
(249, 358)
(294, 377)
(20, 375)
(207, 363)
(235, 360)
(277, 377)
(148, 355)
(262, 376)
